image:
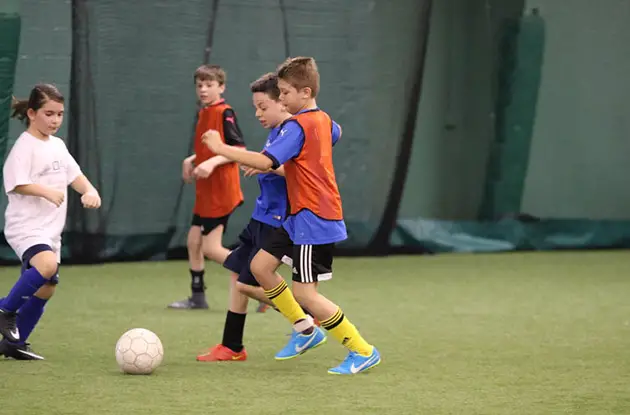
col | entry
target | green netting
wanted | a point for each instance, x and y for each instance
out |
(512, 118)
(10, 24)
(133, 105)
(580, 154)
(521, 53)
(510, 235)
(562, 157)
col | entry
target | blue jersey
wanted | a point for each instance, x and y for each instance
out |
(272, 204)
(304, 228)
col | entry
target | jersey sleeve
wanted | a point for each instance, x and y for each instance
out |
(336, 132)
(73, 169)
(231, 130)
(287, 146)
(17, 168)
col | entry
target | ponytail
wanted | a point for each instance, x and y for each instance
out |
(19, 107)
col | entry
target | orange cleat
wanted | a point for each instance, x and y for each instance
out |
(220, 353)
(262, 307)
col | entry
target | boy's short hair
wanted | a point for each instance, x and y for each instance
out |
(210, 73)
(268, 84)
(300, 72)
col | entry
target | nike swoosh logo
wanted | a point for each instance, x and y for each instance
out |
(236, 357)
(33, 355)
(15, 333)
(299, 349)
(368, 362)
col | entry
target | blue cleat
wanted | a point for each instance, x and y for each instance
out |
(300, 343)
(355, 363)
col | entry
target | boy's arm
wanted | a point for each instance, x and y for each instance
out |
(336, 132)
(273, 157)
(280, 171)
(232, 134)
(233, 137)
(231, 131)
(249, 158)
(250, 171)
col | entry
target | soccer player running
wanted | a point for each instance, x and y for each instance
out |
(217, 182)
(315, 222)
(269, 214)
(37, 173)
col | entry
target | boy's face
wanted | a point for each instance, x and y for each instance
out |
(208, 91)
(48, 118)
(269, 112)
(293, 99)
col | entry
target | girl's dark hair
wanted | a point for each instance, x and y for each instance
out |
(40, 94)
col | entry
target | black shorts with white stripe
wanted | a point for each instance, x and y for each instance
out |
(310, 263)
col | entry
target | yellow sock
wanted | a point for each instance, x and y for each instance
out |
(344, 331)
(284, 301)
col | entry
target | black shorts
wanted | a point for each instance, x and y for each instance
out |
(30, 253)
(209, 224)
(310, 263)
(251, 240)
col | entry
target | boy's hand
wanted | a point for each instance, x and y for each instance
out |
(250, 171)
(54, 196)
(204, 170)
(91, 200)
(212, 139)
(187, 170)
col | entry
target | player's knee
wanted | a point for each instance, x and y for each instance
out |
(194, 237)
(193, 244)
(258, 266)
(45, 263)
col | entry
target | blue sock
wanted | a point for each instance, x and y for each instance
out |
(30, 281)
(28, 316)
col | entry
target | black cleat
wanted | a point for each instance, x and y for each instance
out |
(18, 351)
(196, 302)
(8, 326)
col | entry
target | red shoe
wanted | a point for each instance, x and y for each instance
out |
(220, 353)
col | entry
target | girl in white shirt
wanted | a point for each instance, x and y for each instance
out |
(37, 173)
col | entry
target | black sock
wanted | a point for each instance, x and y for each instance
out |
(197, 284)
(233, 331)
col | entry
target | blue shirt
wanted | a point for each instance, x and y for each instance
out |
(272, 205)
(304, 228)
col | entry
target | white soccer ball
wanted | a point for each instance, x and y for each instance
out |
(139, 352)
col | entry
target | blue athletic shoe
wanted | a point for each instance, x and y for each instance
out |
(300, 343)
(355, 363)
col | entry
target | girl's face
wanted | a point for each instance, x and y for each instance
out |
(47, 119)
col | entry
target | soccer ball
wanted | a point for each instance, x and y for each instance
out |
(139, 352)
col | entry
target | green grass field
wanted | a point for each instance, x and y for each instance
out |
(541, 333)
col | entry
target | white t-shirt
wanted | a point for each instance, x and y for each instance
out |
(32, 220)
